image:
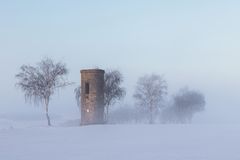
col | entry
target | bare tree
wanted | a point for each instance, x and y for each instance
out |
(185, 104)
(149, 94)
(41, 81)
(112, 89)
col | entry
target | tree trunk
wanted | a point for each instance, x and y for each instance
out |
(48, 118)
(151, 114)
(106, 113)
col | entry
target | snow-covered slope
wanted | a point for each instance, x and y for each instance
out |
(122, 142)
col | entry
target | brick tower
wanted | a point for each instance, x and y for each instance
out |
(92, 96)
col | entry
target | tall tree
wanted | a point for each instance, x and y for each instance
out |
(40, 82)
(185, 104)
(149, 94)
(112, 89)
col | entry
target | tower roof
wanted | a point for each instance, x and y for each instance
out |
(91, 70)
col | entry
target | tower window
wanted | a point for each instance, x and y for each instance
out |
(86, 88)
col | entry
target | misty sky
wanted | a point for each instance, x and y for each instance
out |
(191, 43)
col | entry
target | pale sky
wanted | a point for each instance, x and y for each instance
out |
(192, 43)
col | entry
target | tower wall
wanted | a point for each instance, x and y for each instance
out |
(92, 96)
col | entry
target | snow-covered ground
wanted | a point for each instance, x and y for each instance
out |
(119, 142)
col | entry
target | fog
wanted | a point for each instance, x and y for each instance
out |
(194, 44)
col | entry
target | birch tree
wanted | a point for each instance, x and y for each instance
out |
(112, 89)
(40, 82)
(149, 94)
(187, 103)
(184, 105)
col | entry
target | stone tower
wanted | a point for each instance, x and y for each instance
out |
(92, 96)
